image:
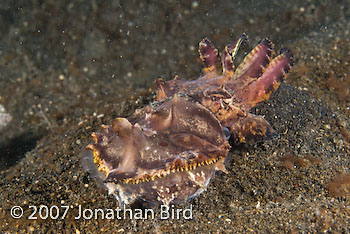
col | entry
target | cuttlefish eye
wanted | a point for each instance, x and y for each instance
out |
(227, 133)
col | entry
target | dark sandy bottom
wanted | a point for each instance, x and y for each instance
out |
(66, 68)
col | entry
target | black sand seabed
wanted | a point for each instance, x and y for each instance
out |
(68, 67)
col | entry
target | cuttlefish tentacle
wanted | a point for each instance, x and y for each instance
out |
(254, 63)
(229, 54)
(260, 89)
(208, 54)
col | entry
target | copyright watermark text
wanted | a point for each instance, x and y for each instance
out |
(78, 212)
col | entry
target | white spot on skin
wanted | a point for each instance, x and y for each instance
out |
(193, 177)
(111, 188)
(147, 118)
(258, 205)
(104, 140)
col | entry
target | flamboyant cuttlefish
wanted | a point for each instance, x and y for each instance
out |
(168, 151)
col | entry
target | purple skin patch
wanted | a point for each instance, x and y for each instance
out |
(167, 152)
